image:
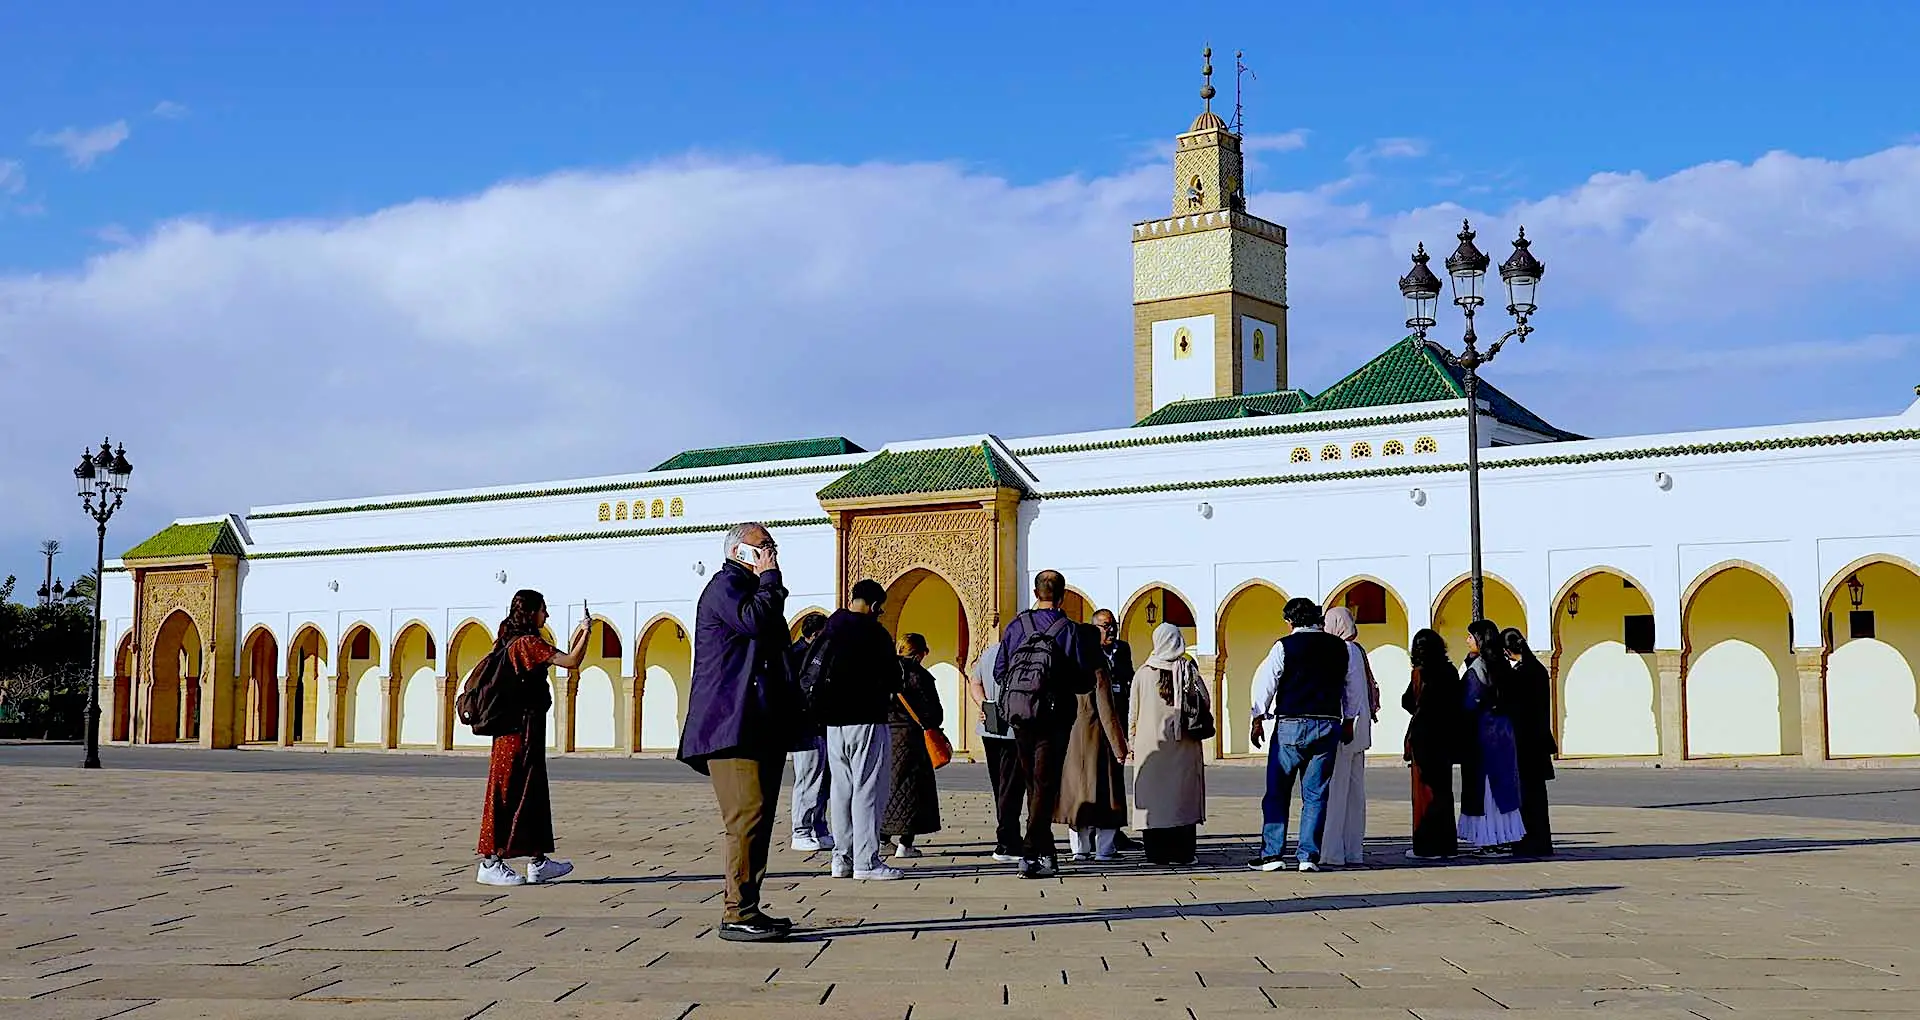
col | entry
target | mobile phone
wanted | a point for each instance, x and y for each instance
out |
(748, 555)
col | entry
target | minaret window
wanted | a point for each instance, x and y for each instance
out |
(1182, 344)
(1259, 345)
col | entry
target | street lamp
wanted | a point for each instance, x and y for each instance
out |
(101, 480)
(1467, 267)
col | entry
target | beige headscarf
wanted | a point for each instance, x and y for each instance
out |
(1340, 623)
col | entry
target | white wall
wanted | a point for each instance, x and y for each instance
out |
(1258, 374)
(1188, 378)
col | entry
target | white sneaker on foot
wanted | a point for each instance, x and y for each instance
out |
(1309, 865)
(906, 851)
(1000, 857)
(881, 873)
(498, 873)
(843, 869)
(809, 844)
(548, 869)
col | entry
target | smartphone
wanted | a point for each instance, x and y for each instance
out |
(748, 555)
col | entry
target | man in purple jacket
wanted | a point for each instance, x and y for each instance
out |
(742, 710)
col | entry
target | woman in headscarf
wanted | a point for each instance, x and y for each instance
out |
(1169, 772)
(1344, 842)
(1531, 709)
(1433, 698)
(1093, 779)
(1489, 767)
(517, 820)
(913, 806)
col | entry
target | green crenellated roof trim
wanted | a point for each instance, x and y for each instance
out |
(215, 538)
(915, 472)
(757, 453)
(1245, 405)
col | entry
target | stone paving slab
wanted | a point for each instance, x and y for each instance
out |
(311, 895)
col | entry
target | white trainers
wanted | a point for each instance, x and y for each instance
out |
(1309, 865)
(882, 873)
(547, 870)
(1000, 857)
(843, 869)
(498, 873)
(906, 851)
(809, 844)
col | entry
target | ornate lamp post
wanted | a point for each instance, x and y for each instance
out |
(101, 480)
(1468, 268)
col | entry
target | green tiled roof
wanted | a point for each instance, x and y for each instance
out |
(1414, 371)
(757, 453)
(1249, 405)
(908, 472)
(215, 538)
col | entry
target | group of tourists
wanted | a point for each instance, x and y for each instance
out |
(1063, 711)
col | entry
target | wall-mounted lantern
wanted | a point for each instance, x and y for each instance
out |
(1206, 510)
(1856, 592)
(1573, 604)
(333, 586)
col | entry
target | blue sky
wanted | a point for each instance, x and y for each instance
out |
(365, 216)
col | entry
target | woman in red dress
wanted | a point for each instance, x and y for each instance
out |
(517, 820)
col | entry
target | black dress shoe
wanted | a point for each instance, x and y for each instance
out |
(756, 930)
(1122, 841)
(782, 923)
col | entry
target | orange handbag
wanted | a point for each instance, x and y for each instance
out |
(939, 748)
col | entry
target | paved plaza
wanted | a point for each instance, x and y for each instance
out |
(349, 893)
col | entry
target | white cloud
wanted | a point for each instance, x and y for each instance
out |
(167, 109)
(589, 323)
(1388, 148)
(13, 177)
(1286, 141)
(83, 147)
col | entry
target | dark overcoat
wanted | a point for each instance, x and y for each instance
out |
(743, 702)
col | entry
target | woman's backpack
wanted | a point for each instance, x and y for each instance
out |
(491, 703)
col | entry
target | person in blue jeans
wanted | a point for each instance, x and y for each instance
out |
(1302, 686)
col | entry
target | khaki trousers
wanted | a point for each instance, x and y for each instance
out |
(748, 790)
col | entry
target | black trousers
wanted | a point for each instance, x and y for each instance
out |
(1533, 811)
(1009, 794)
(1042, 748)
(1173, 845)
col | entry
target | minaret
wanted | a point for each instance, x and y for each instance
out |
(1210, 281)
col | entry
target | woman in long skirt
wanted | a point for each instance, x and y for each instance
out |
(1169, 772)
(1345, 839)
(1433, 698)
(1093, 774)
(913, 804)
(1531, 709)
(517, 820)
(1490, 770)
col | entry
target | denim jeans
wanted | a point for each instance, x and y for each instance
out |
(1298, 746)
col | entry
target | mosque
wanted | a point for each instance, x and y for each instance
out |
(1745, 594)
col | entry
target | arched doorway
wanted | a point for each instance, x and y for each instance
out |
(1741, 690)
(1453, 610)
(793, 627)
(308, 702)
(416, 703)
(664, 664)
(1381, 615)
(1152, 606)
(595, 719)
(360, 678)
(122, 725)
(1250, 622)
(261, 723)
(471, 642)
(922, 602)
(1603, 657)
(1077, 606)
(1873, 640)
(174, 702)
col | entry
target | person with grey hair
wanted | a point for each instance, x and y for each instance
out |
(744, 713)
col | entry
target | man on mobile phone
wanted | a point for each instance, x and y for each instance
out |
(743, 711)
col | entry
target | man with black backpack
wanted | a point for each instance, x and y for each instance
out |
(849, 680)
(810, 784)
(1041, 669)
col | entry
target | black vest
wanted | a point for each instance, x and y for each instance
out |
(1313, 674)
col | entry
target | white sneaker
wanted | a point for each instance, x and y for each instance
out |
(906, 851)
(1000, 858)
(1309, 865)
(498, 873)
(548, 870)
(809, 844)
(879, 873)
(843, 869)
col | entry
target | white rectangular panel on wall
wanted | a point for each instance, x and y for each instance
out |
(1183, 359)
(1258, 355)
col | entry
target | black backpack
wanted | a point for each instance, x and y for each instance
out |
(1035, 685)
(816, 679)
(493, 702)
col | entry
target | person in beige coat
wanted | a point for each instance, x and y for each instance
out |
(1169, 776)
(1093, 781)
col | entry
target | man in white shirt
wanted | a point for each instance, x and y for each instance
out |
(1303, 686)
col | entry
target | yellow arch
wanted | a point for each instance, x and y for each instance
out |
(1341, 589)
(1560, 597)
(1700, 581)
(1832, 587)
(320, 643)
(1141, 591)
(1226, 604)
(1466, 578)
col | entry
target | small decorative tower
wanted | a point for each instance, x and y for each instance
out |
(1209, 282)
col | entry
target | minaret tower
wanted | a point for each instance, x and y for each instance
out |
(1210, 281)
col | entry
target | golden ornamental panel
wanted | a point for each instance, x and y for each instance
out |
(958, 545)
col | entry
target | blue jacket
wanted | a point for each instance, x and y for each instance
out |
(743, 702)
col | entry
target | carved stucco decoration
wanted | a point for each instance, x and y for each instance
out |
(958, 545)
(162, 592)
